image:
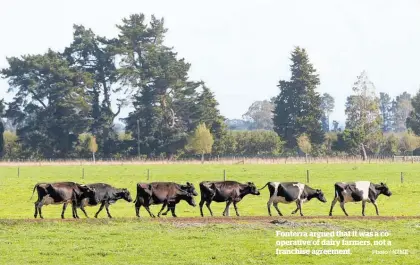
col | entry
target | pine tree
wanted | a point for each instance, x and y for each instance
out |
(297, 107)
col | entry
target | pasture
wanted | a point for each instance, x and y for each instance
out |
(194, 240)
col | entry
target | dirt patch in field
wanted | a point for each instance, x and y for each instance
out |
(287, 221)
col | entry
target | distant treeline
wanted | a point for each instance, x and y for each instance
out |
(65, 105)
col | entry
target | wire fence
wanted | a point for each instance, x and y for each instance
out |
(217, 160)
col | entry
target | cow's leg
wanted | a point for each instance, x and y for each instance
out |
(167, 210)
(36, 209)
(376, 207)
(236, 208)
(40, 210)
(100, 209)
(39, 206)
(333, 204)
(64, 209)
(163, 207)
(226, 211)
(201, 207)
(297, 208)
(208, 207)
(172, 207)
(299, 203)
(107, 209)
(83, 210)
(269, 207)
(342, 207)
(137, 207)
(74, 206)
(277, 208)
(363, 207)
(148, 210)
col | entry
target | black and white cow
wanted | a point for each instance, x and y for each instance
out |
(364, 191)
(288, 192)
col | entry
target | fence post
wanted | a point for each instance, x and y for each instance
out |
(83, 173)
(18, 171)
(402, 177)
(307, 176)
(148, 174)
(224, 174)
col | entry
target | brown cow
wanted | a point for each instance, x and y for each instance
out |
(61, 193)
(225, 191)
(166, 193)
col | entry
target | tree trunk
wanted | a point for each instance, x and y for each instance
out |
(93, 156)
(202, 158)
(364, 156)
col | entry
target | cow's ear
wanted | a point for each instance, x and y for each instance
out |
(318, 191)
(149, 186)
(382, 183)
(189, 184)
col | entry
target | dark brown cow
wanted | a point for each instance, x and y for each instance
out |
(61, 193)
(166, 193)
(105, 195)
(225, 191)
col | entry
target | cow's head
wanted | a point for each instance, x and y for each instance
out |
(383, 189)
(252, 188)
(189, 187)
(125, 194)
(190, 199)
(320, 195)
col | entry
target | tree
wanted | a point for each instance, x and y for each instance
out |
(413, 120)
(1, 127)
(304, 144)
(164, 96)
(206, 111)
(96, 55)
(402, 109)
(298, 106)
(260, 115)
(335, 126)
(201, 142)
(363, 116)
(50, 107)
(327, 106)
(93, 147)
(391, 145)
(12, 148)
(409, 142)
(385, 106)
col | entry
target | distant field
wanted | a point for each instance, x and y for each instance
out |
(126, 240)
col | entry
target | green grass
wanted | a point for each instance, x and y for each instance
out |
(131, 241)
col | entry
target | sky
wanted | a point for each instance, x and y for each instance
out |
(241, 49)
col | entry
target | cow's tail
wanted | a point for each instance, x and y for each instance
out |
(33, 191)
(264, 186)
(138, 194)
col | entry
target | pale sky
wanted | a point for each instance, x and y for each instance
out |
(241, 48)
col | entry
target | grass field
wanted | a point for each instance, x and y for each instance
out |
(127, 240)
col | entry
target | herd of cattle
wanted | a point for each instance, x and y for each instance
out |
(169, 194)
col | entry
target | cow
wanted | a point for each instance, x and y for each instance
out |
(166, 193)
(364, 191)
(288, 192)
(61, 193)
(225, 191)
(105, 195)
